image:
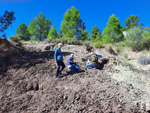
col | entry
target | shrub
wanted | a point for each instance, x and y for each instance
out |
(98, 45)
(144, 60)
(51, 40)
(119, 46)
(16, 38)
(64, 41)
(137, 46)
(110, 49)
(146, 40)
(76, 42)
(86, 43)
(133, 39)
(58, 40)
(118, 49)
(144, 52)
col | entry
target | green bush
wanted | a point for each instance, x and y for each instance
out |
(119, 46)
(118, 49)
(133, 39)
(76, 42)
(98, 45)
(58, 40)
(146, 40)
(15, 38)
(51, 40)
(110, 49)
(86, 43)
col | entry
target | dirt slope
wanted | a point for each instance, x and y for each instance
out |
(29, 86)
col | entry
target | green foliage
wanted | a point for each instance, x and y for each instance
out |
(98, 44)
(113, 31)
(95, 33)
(39, 27)
(59, 35)
(133, 39)
(33, 30)
(15, 38)
(72, 25)
(146, 39)
(147, 28)
(145, 52)
(119, 47)
(84, 35)
(133, 21)
(95, 36)
(22, 30)
(110, 49)
(5, 21)
(52, 33)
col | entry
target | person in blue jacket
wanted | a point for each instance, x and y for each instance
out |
(71, 64)
(59, 60)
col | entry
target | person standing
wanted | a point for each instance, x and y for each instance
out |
(59, 61)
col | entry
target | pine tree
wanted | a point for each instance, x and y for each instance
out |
(113, 31)
(39, 27)
(95, 33)
(5, 21)
(52, 33)
(133, 21)
(23, 32)
(72, 25)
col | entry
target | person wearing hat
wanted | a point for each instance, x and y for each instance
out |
(59, 60)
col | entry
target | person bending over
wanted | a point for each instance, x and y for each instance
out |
(71, 64)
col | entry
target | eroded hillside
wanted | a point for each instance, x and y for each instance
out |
(27, 83)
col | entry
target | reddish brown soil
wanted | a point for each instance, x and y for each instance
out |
(28, 86)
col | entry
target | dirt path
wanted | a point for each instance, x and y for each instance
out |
(29, 86)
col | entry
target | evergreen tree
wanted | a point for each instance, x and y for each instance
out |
(72, 25)
(95, 33)
(23, 32)
(5, 21)
(40, 27)
(84, 35)
(33, 30)
(113, 31)
(59, 34)
(133, 21)
(52, 33)
(147, 28)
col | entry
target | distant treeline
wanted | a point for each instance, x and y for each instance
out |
(73, 28)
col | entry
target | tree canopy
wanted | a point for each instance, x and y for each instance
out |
(95, 33)
(113, 31)
(52, 33)
(39, 27)
(72, 25)
(133, 21)
(5, 21)
(22, 31)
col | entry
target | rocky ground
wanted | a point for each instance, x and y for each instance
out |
(27, 83)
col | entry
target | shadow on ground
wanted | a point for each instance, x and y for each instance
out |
(27, 60)
(70, 73)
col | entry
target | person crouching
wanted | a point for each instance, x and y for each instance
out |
(72, 66)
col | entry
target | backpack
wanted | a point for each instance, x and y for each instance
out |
(95, 59)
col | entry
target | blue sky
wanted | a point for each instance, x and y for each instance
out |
(93, 12)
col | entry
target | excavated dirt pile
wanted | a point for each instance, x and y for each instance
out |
(28, 85)
(8, 51)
